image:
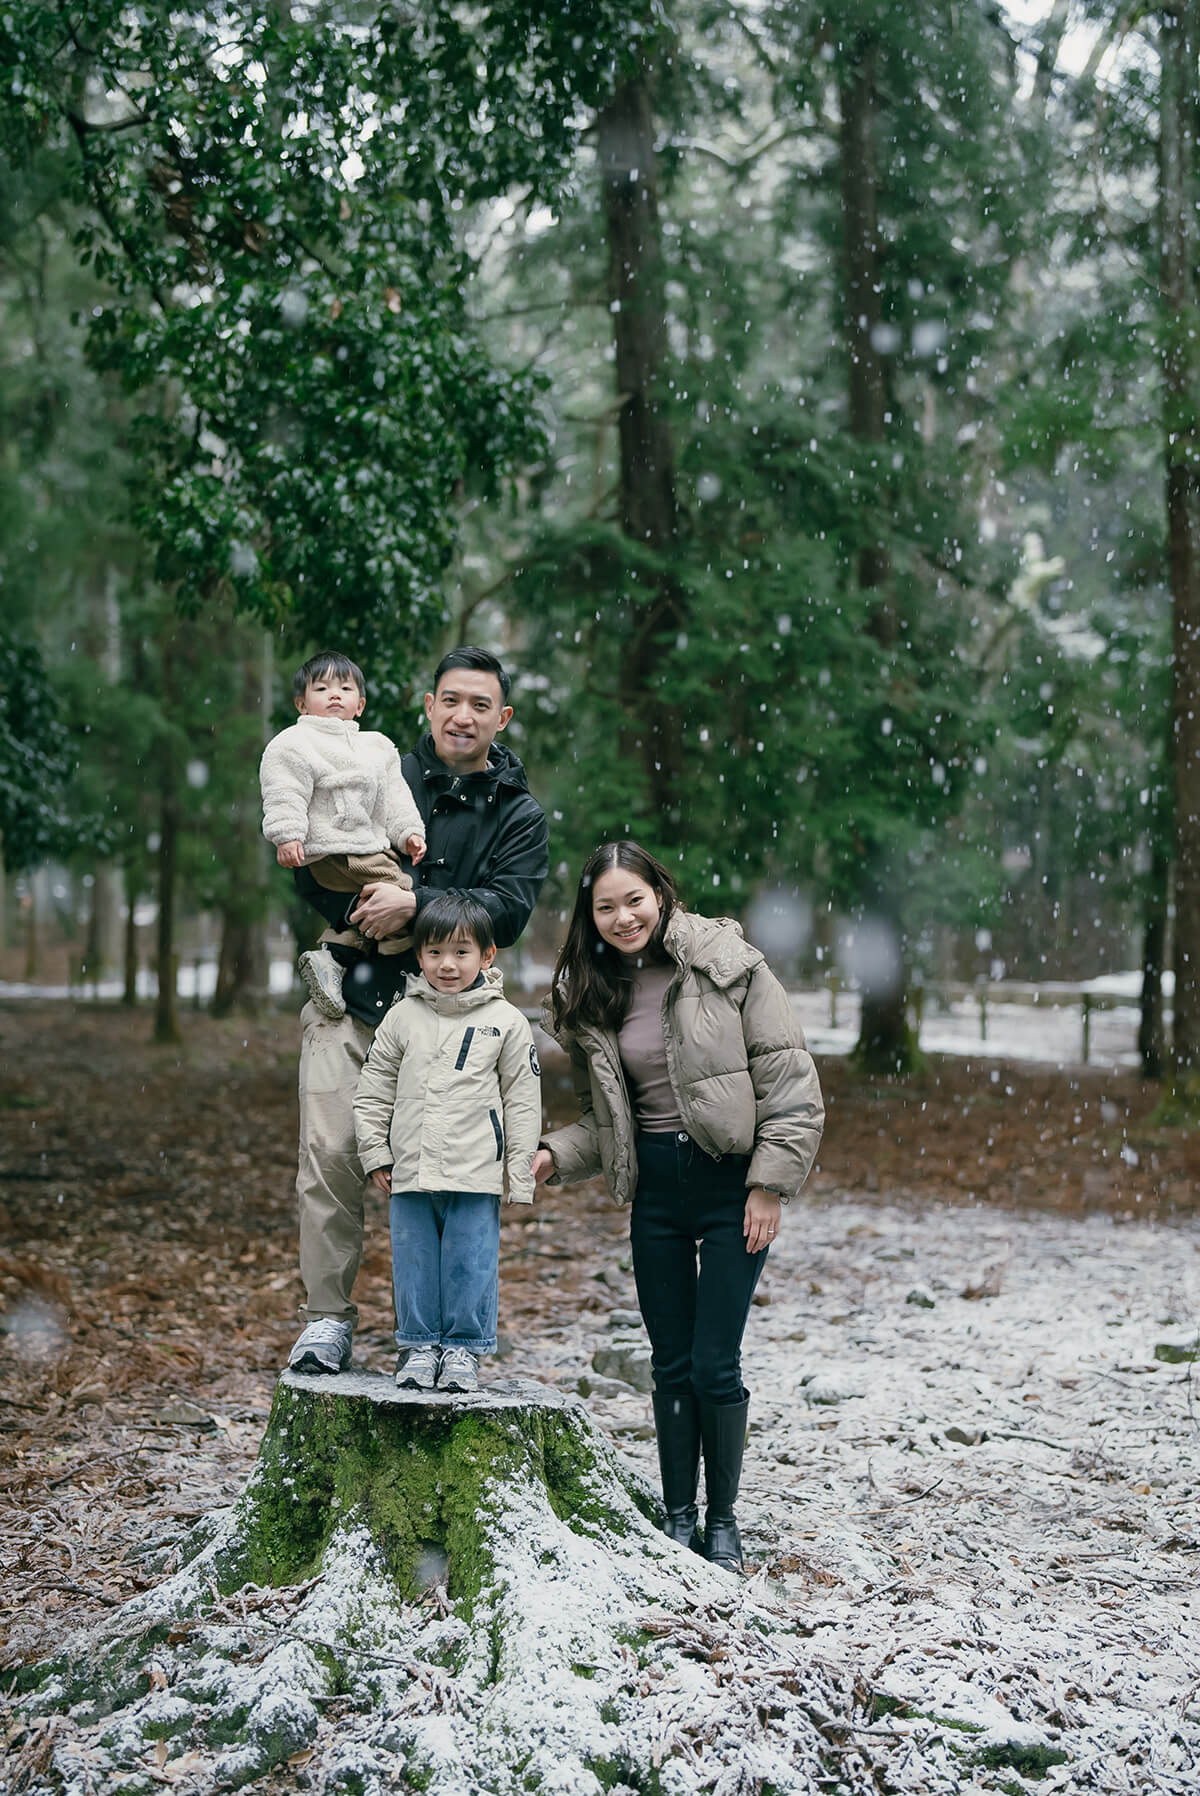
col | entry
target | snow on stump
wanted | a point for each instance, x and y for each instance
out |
(461, 1595)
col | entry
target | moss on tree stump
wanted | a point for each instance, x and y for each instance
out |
(412, 1468)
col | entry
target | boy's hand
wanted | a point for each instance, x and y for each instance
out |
(414, 848)
(290, 854)
(381, 1178)
(383, 909)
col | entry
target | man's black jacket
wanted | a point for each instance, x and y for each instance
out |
(485, 834)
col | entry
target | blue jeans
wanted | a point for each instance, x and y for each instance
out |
(694, 1276)
(446, 1268)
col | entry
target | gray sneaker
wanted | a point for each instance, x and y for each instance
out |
(417, 1368)
(322, 975)
(460, 1370)
(323, 1347)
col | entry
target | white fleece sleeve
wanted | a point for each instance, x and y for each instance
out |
(286, 778)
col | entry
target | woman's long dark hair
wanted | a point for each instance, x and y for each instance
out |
(593, 983)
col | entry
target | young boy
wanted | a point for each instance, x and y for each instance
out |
(447, 1115)
(335, 801)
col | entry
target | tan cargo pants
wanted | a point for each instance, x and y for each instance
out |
(329, 1179)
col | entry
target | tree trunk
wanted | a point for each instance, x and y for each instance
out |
(1179, 46)
(129, 953)
(1152, 1034)
(166, 1018)
(31, 929)
(886, 1044)
(649, 504)
(242, 972)
(243, 962)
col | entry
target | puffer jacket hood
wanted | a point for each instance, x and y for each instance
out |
(742, 1077)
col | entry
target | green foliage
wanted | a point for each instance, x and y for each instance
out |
(274, 199)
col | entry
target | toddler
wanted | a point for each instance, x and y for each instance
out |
(335, 801)
(447, 1114)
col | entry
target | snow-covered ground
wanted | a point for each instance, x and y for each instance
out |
(1050, 1032)
(973, 1475)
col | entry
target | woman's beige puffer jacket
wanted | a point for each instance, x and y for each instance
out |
(741, 1074)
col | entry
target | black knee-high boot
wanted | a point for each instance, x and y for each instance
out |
(677, 1426)
(723, 1433)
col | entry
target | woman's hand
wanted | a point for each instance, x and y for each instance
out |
(761, 1225)
(543, 1165)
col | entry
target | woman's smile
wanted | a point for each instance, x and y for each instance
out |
(625, 910)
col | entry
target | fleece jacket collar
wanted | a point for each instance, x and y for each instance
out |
(329, 726)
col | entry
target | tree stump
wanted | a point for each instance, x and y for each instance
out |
(459, 1594)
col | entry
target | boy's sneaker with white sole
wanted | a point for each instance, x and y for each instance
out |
(460, 1370)
(417, 1369)
(324, 1346)
(323, 976)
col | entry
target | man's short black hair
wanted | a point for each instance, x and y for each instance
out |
(453, 913)
(480, 661)
(324, 667)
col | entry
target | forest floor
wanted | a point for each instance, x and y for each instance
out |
(979, 1296)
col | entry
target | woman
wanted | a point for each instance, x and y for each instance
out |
(700, 1104)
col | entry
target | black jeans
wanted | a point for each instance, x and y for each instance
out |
(695, 1313)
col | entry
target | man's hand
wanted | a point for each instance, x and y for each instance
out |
(414, 848)
(290, 854)
(381, 1178)
(543, 1165)
(762, 1219)
(383, 909)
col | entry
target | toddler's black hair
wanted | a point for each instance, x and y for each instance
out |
(447, 915)
(326, 666)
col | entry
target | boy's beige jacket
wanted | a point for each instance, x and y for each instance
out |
(742, 1076)
(450, 1094)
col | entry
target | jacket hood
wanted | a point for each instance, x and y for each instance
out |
(503, 767)
(452, 1003)
(714, 945)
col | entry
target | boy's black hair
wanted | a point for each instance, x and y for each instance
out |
(448, 914)
(480, 661)
(325, 665)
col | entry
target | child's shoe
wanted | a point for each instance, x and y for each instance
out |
(323, 977)
(460, 1370)
(417, 1369)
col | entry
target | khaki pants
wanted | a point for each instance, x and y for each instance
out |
(329, 1179)
(350, 873)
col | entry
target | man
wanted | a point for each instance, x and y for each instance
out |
(486, 836)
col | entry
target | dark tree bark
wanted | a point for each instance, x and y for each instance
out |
(129, 994)
(1152, 1033)
(243, 961)
(1179, 40)
(885, 1043)
(166, 1018)
(649, 505)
